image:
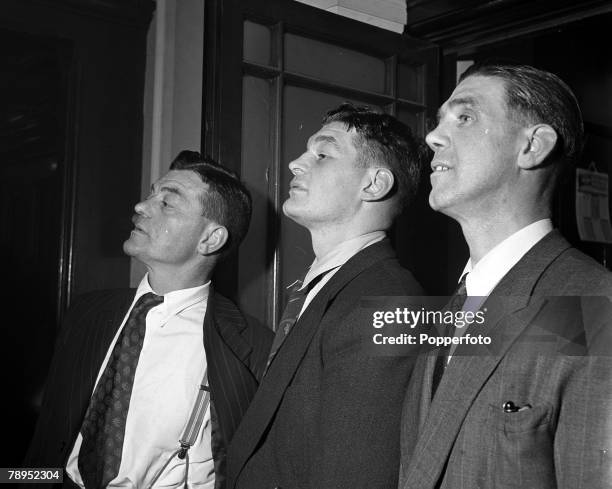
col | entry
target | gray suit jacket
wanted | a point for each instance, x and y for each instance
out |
(549, 354)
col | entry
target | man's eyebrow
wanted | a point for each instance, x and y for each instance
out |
(322, 138)
(171, 190)
(469, 101)
(459, 101)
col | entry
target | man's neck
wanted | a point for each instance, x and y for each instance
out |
(164, 280)
(484, 235)
(325, 240)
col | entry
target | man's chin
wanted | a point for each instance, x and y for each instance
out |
(130, 248)
(436, 202)
(289, 209)
(432, 201)
(292, 211)
(449, 207)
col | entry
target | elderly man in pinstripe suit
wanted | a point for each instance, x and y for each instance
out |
(129, 363)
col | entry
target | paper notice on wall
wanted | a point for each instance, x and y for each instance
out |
(592, 209)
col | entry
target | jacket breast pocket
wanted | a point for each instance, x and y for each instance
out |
(522, 455)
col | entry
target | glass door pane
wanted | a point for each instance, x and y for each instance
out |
(274, 68)
(303, 110)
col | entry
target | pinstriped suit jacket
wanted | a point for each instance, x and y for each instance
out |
(236, 354)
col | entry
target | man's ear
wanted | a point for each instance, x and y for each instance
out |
(213, 239)
(539, 142)
(379, 184)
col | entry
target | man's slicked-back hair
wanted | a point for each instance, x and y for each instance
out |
(536, 96)
(226, 202)
(383, 140)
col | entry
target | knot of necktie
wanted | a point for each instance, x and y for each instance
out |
(295, 303)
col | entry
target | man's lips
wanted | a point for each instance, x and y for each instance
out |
(296, 186)
(138, 230)
(439, 167)
(137, 227)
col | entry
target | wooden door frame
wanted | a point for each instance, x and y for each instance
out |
(224, 69)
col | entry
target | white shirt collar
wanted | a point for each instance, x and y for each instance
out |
(486, 274)
(177, 300)
(339, 255)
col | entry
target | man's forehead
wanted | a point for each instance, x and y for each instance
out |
(477, 92)
(335, 133)
(182, 180)
(480, 84)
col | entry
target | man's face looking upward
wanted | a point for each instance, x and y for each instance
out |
(168, 224)
(476, 145)
(328, 178)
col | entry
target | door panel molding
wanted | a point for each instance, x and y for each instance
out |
(225, 69)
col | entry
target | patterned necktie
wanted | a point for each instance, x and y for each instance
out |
(454, 305)
(296, 301)
(103, 428)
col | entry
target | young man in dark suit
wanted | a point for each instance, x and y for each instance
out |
(129, 363)
(326, 415)
(534, 408)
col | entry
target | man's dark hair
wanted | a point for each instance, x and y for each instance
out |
(535, 96)
(382, 139)
(227, 201)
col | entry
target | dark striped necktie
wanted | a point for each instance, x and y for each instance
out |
(455, 304)
(103, 428)
(297, 298)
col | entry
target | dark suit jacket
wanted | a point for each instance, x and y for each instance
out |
(235, 352)
(326, 415)
(552, 357)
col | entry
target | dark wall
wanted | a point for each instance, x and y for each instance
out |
(577, 52)
(77, 71)
(104, 126)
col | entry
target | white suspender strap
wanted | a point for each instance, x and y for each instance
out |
(191, 430)
(197, 417)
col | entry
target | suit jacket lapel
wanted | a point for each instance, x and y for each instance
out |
(415, 408)
(510, 309)
(289, 357)
(228, 323)
(232, 382)
(88, 346)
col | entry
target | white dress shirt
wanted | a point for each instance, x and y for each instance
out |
(166, 383)
(334, 259)
(488, 272)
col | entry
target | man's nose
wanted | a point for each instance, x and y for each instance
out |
(142, 207)
(299, 165)
(436, 139)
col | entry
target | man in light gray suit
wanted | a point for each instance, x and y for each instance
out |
(534, 408)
